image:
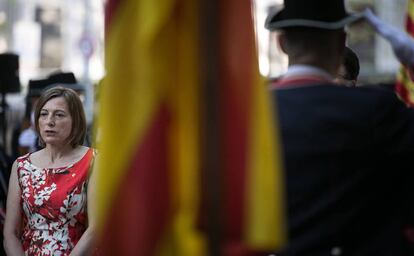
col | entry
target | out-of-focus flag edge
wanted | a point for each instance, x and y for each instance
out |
(266, 206)
(404, 85)
(151, 89)
(151, 83)
(254, 220)
(124, 113)
(266, 220)
(183, 237)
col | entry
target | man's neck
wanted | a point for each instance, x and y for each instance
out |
(328, 65)
(307, 70)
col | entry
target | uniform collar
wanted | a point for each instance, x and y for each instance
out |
(308, 70)
(302, 75)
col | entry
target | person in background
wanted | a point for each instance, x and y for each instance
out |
(349, 69)
(51, 191)
(27, 137)
(347, 151)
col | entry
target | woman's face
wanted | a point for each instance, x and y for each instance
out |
(55, 122)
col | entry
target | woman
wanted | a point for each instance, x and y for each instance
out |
(51, 190)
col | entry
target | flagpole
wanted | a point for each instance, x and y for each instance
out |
(211, 165)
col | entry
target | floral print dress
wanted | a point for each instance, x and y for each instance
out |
(54, 205)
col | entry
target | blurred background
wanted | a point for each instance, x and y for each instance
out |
(52, 36)
(68, 35)
(376, 58)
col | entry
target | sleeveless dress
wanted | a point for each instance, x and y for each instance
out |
(54, 205)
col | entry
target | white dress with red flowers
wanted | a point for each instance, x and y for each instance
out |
(54, 205)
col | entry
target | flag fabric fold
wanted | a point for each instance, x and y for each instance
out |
(148, 130)
(150, 148)
(253, 186)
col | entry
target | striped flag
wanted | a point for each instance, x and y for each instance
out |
(252, 190)
(151, 129)
(148, 130)
(405, 85)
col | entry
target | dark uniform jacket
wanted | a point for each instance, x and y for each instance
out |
(349, 162)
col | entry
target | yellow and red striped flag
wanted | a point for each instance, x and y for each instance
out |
(151, 126)
(252, 190)
(404, 85)
(148, 130)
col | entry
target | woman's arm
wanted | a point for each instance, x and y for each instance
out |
(87, 241)
(12, 224)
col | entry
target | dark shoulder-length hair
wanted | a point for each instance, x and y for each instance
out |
(76, 111)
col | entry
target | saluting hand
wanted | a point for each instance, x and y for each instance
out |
(401, 43)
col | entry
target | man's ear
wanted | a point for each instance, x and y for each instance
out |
(281, 39)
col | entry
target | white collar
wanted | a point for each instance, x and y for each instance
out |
(301, 69)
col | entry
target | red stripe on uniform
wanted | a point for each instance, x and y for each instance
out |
(299, 80)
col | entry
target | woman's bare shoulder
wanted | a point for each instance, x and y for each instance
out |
(81, 150)
(36, 155)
